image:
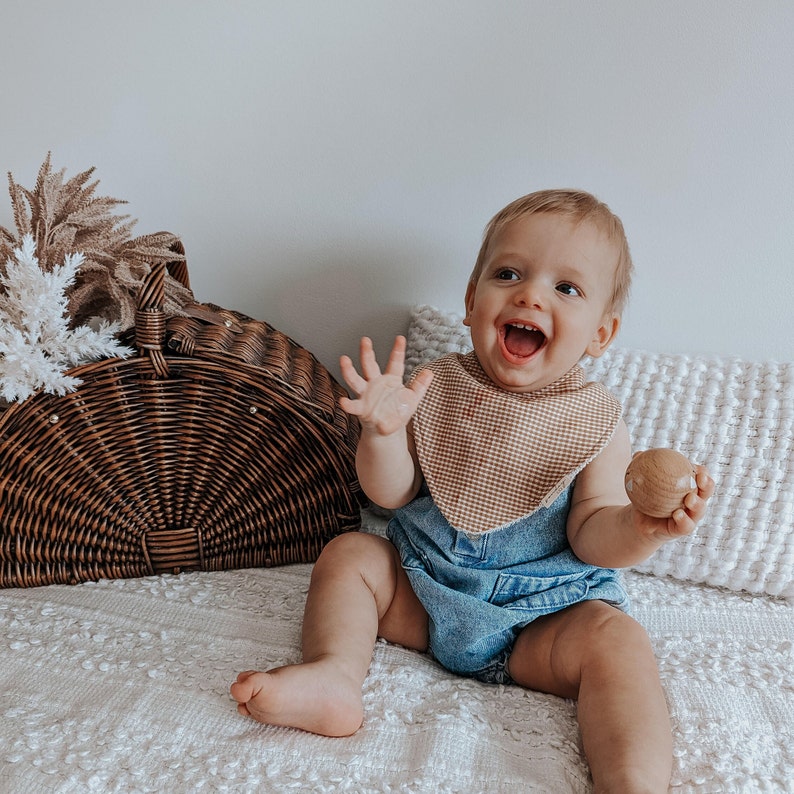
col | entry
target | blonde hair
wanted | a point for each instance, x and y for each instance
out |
(580, 207)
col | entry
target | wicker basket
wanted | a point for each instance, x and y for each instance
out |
(221, 445)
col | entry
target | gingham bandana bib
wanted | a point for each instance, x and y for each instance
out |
(490, 457)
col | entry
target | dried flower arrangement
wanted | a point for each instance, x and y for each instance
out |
(69, 279)
(37, 347)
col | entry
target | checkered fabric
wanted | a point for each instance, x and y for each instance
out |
(490, 457)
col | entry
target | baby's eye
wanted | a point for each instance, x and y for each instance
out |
(505, 274)
(568, 289)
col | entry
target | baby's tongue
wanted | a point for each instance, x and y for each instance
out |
(522, 341)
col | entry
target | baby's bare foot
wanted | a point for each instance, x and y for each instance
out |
(314, 696)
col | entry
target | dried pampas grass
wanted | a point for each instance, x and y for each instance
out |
(66, 217)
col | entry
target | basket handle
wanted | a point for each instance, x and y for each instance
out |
(149, 314)
(178, 268)
(150, 319)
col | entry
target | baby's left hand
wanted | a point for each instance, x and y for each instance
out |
(684, 519)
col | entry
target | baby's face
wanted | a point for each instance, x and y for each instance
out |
(541, 300)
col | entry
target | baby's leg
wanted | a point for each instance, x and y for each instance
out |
(358, 590)
(602, 657)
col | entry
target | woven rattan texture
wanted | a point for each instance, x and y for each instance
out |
(229, 451)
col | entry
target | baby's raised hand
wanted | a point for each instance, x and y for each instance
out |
(382, 404)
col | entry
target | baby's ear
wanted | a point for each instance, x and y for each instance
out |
(469, 302)
(604, 335)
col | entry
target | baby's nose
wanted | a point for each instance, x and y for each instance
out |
(530, 294)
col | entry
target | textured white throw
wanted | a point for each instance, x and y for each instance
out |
(122, 687)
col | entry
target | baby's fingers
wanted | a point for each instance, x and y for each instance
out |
(704, 482)
(352, 407)
(396, 363)
(351, 376)
(421, 383)
(695, 502)
(369, 364)
(681, 523)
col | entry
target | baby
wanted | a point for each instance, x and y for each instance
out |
(505, 470)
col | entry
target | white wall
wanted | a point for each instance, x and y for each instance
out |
(328, 164)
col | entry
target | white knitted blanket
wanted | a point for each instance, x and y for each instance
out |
(122, 686)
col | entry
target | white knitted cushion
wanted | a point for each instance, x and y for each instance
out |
(734, 416)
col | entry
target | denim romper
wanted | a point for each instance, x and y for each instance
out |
(481, 452)
(481, 589)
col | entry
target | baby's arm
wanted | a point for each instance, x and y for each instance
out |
(385, 458)
(605, 530)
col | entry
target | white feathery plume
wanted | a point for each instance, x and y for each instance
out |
(37, 347)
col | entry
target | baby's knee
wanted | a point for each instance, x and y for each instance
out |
(352, 550)
(614, 634)
(344, 544)
(351, 544)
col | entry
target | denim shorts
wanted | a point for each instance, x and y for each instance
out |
(480, 590)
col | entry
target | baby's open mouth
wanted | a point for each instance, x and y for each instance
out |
(523, 340)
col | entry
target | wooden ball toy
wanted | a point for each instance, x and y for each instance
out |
(657, 480)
